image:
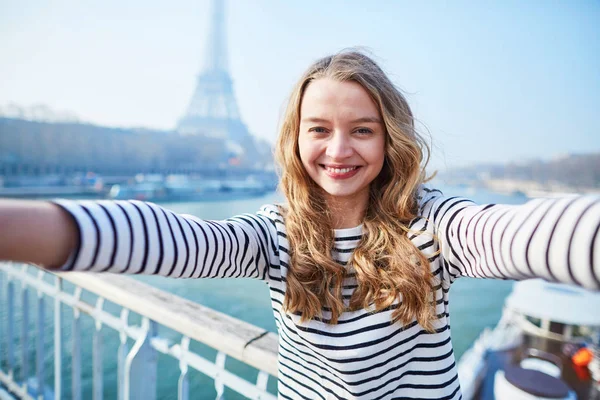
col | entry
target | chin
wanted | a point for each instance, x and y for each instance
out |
(341, 193)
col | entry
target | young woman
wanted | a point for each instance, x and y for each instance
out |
(361, 258)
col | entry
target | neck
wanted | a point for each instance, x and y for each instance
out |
(345, 213)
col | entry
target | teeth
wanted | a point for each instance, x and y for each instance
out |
(340, 170)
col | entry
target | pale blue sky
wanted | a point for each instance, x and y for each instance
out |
(492, 81)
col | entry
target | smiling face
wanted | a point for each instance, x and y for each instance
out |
(341, 140)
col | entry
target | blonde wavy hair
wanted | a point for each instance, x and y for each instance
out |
(388, 265)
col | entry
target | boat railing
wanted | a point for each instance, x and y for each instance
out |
(115, 301)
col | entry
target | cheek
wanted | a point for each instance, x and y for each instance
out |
(376, 153)
(302, 151)
(306, 151)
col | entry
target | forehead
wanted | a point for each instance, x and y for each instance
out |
(328, 98)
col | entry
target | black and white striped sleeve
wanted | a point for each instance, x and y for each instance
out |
(554, 239)
(135, 237)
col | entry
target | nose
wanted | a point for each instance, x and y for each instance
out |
(339, 147)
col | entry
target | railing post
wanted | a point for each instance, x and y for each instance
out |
(122, 377)
(76, 350)
(183, 387)
(98, 382)
(10, 345)
(141, 365)
(220, 364)
(40, 350)
(262, 380)
(57, 339)
(24, 333)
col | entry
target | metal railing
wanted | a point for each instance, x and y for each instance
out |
(137, 364)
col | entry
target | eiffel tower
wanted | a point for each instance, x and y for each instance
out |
(213, 110)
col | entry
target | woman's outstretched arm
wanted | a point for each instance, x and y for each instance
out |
(554, 239)
(139, 238)
(36, 232)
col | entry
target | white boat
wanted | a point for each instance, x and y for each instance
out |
(183, 188)
(546, 346)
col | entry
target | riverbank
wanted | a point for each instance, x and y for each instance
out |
(523, 188)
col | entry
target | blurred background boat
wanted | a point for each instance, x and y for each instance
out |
(546, 345)
(182, 188)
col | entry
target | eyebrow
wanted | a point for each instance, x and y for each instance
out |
(373, 120)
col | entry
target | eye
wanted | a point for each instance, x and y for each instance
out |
(318, 129)
(363, 131)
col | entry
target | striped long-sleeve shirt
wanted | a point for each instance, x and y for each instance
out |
(365, 355)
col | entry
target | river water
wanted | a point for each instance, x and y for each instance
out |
(475, 304)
